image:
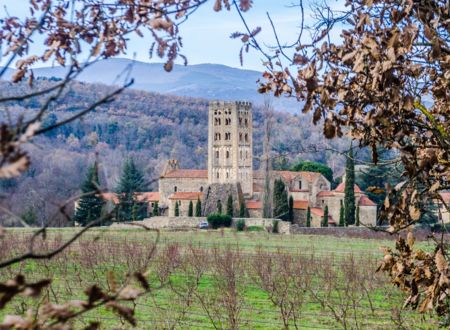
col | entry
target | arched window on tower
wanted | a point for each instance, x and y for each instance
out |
(240, 137)
(246, 137)
(299, 185)
(240, 121)
(240, 154)
(201, 189)
(217, 175)
(217, 154)
(246, 122)
(228, 154)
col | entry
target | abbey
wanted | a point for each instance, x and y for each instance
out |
(230, 171)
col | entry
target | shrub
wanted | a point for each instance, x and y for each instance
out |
(275, 228)
(240, 225)
(217, 220)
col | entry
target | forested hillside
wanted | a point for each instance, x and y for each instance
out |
(149, 127)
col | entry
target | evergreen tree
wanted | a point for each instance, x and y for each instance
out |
(230, 206)
(349, 199)
(131, 182)
(191, 209)
(242, 210)
(325, 217)
(308, 217)
(177, 209)
(357, 216)
(341, 215)
(90, 204)
(280, 201)
(135, 209)
(219, 207)
(291, 209)
(198, 208)
(155, 211)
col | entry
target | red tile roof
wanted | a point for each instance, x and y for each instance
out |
(445, 196)
(253, 205)
(109, 196)
(148, 196)
(299, 204)
(290, 175)
(319, 212)
(183, 173)
(186, 195)
(325, 194)
(341, 188)
(366, 201)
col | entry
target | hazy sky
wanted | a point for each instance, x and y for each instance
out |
(206, 34)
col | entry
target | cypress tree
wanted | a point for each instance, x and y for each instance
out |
(357, 216)
(191, 209)
(341, 215)
(325, 217)
(131, 181)
(308, 217)
(155, 211)
(90, 204)
(135, 209)
(242, 210)
(280, 200)
(219, 207)
(291, 209)
(177, 209)
(198, 208)
(349, 199)
(230, 206)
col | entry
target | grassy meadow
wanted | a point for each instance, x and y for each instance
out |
(221, 279)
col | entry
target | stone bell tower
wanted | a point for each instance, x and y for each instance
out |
(230, 144)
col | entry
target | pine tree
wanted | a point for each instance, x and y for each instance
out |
(135, 209)
(131, 182)
(341, 215)
(242, 210)
(90, 204)
(177, 209)
(357, 216)
(325, 217)
(308, 217)
(349, 199)
(155, 211)
(230, 210)
(280, 201)
(198, 208)
(191, 209)
(219, 207)
(291, 209)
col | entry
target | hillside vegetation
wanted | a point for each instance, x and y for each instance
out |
(149, 127)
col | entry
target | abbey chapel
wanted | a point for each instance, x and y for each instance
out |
(230, 171)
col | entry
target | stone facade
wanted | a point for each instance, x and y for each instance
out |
(218, 193)
(230, 144)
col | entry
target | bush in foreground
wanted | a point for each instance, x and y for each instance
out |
(240, 225)
(217, 220)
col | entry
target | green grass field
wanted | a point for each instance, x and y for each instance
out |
(223, 279)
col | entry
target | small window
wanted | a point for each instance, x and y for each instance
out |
(240, 137)
(228, 174)
(300, 185)
(175, 189)
(246, 122)
(240, 154)
(240, 121)
(201, 189)
(246, 137)
(217, 154)
(217, 175)
(228, 154)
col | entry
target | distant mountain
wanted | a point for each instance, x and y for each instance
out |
(209, 81)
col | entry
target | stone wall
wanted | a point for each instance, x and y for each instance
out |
(193, 222)
(220, 192)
